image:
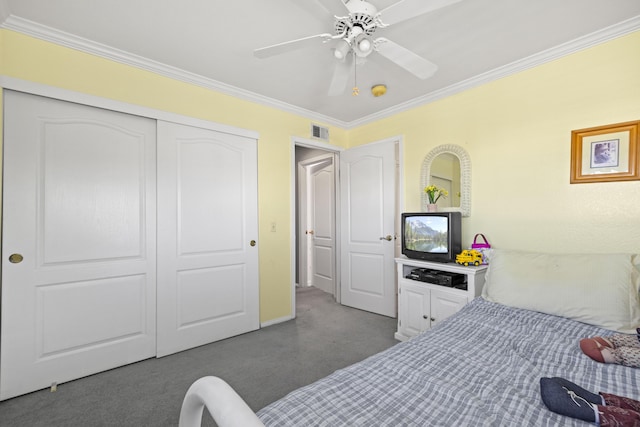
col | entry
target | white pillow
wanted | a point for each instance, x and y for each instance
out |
(599, 289)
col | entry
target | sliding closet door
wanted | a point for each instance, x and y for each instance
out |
(78, 249)
(207, 232)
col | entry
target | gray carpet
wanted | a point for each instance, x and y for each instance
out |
(261, 366)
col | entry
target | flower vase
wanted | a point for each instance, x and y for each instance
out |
(432, 207)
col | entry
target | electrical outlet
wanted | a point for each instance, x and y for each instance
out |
(273, 227)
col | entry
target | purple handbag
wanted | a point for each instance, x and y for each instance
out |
(482, 247)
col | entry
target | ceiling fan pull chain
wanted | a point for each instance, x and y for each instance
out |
(355, 91)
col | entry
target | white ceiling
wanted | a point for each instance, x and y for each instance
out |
(211, 43)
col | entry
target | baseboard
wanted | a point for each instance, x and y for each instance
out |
(275, 321)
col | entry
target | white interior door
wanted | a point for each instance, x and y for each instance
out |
(321, 198)
(303, 239)
(367, 193)
(79, 226)
(207, 219)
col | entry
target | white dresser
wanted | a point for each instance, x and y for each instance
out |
(421, 305)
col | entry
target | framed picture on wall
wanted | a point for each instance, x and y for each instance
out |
(606, 153)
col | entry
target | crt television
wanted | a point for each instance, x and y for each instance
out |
(432, 236)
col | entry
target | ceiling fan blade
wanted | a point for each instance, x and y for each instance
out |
(405, 9)
(340, 76)
(324, 10)
(279, 48)
(334, 7)
(406, 59)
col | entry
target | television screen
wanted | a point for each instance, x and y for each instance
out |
(432, 236)
(427, 234)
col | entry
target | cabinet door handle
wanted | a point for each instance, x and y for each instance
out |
(425, 317)
(433, 319)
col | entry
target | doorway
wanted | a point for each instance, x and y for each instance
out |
(365, 209)
(316, 219)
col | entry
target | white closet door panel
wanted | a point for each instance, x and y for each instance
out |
(86, 220)
(210, 294)
(207, 216)
(218, 170)
(92, 301)
(79, 206)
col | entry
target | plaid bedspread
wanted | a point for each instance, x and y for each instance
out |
(480, 367)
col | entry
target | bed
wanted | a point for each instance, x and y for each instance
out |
(482, 366)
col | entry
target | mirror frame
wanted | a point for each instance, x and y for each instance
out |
(465, 176)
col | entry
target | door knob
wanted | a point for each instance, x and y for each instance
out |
(388, 238)
(15, 258)
(309, 232)
(252, 243)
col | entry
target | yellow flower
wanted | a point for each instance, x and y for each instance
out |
(434, 193)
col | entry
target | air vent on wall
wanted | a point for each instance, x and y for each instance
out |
(319, 132)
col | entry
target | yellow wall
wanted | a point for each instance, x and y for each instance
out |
(30, 59)
(517, 132)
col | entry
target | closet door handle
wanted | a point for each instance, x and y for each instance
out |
(15, 258)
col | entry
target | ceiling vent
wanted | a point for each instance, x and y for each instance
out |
(319, 132)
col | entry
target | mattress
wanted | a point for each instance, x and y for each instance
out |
(480, 367)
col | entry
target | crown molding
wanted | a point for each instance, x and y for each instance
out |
(62, 38)
(81, 44)
(606, 34)
(26, 86)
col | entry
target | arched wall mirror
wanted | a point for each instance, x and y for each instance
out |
(448, 167)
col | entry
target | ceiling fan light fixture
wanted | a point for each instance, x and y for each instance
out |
(342, 49)
(378, 90)
(364, 45)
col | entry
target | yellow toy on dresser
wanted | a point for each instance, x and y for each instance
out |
(469, 256)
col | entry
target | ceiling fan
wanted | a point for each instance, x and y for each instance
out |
(353, 38)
